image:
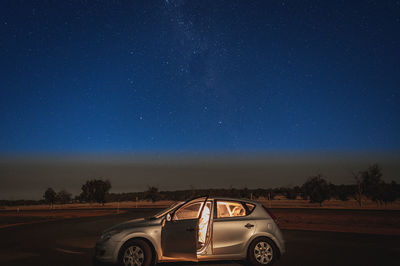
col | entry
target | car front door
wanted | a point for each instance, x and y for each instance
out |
(231, 227)
(179, 234)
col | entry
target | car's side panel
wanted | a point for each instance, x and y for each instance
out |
(152, 234)
(268, 228)
(230, 234)
(280, 245)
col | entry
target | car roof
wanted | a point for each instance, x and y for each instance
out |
(224, 198)
(234, 199)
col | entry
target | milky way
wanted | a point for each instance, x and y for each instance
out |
(199, 76)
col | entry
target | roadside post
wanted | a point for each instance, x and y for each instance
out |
(269, 199)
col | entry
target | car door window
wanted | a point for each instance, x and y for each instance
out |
(190, 211)
(250, 207)
(230, 209)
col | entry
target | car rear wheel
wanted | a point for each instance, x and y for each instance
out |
(262, 251)
(135, 252)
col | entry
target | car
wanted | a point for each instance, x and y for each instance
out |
(199, 229)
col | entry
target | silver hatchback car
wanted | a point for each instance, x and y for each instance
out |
(199, 229)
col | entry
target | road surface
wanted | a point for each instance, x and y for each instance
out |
(70, 242)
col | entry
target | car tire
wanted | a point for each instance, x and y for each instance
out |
(135, 252)
(262, 251)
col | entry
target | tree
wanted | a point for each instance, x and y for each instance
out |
(316, 189)
(233, 192)
(259, 192)
(372, 183)
(152, 194)
(359, 188)
(342, 192)
(390, 194)
(50, 196)
(290, 193)
(64, 196)
(95, 190)
(244, 193)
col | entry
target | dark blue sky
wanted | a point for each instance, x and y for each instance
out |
(195, 76)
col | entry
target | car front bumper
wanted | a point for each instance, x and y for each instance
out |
(107, 251)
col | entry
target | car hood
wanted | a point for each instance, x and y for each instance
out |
(134, 223)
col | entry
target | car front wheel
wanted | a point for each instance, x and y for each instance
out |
(135, 252)
(262, 251)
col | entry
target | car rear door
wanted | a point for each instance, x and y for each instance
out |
(179, 236)
(232, 227)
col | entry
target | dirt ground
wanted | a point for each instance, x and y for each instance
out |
(355, 221)
(282, 202)
(366, 221)
(13, 218)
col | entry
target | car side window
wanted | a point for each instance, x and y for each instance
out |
(250, 207)
(190, 211)
(230, 209)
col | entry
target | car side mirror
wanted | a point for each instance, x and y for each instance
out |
(168, 217)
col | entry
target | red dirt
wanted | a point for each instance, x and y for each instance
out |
(60, 213)
(383, 222)
(367, 222)
(8, 219)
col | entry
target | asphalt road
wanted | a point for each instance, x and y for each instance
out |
(70, 242)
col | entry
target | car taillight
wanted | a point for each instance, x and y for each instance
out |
(270, 214)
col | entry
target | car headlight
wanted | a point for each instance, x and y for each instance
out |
(107, 235)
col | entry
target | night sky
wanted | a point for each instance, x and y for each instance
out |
(199, 76)
(180, 94)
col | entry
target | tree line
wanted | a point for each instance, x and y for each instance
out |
(94, 190)
(368, 184)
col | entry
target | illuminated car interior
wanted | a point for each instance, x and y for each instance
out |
(195, 210)
(204, 222)
(230, 209)
(192, 211)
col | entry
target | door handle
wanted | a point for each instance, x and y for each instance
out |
(248, 226)
(190, 229)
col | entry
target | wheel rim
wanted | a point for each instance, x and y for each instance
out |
(263, 252)
(133, 256)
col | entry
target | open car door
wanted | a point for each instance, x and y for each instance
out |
(179, 234)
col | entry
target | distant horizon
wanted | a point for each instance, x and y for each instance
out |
(25, 177)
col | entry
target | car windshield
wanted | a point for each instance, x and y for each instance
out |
(170, 208)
